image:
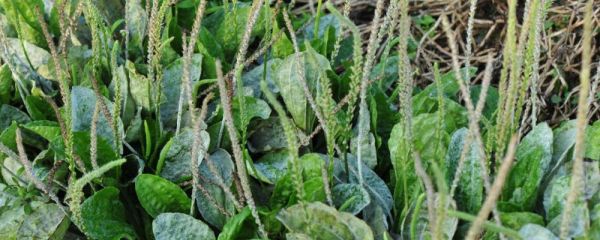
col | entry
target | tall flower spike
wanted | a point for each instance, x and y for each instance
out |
(237, 150)
(582, 121)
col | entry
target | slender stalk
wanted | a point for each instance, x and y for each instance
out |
(371, 49)
(495, 192)
(582, 121)
(237, 150)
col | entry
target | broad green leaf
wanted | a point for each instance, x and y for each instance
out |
(419, 216)
(350, 198)
(273, 165)
(536, 232)
(177, 162)
(579, 221)
(374, 215)
(367, 143)
(253, 77)
(285, 190)
(320, 221)
(38, 108)
(22, 16)
(6, 84)
(8, 114)
(47, 129)
(516, 220)
(266, 135)
(557, 191)
(594, 232)
(469, 194)
(104, 216)
(325, 21)
(592, 141)
(158, 195)
(47, 221)
(83, 103)
(491, 100)
(105, 150)
(287, 78)
(12, 219)
(169, 226)
(426, 100)
(254, 107)
(240, 226)
(140, 87)
(230, 26)
(137, 20)
(564, 140)
(170, 89)
(533, 157)
(378, 191)
(222, 162)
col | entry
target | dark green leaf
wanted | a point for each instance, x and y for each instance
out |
(104, 216)
(157, 195)
(169, 226)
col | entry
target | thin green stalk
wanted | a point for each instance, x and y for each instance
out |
(490, 226)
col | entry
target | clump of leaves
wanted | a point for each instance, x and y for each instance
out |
(243, 120)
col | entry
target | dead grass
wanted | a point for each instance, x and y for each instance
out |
(561, 45)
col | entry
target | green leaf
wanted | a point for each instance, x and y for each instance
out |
(320, 221)
(221, 160)
(378, 191)
(140, 87)
(170, 90)
(137, 20)
(253, 77)
(157, 195)
(6, 84)
(273, 165)
(533, 157)
(231, 24)
(8, 114)
(564, 140)
(254, 107)
(47, 129)
(536, 232)
(266, 135)
(556, 193)
(105, 150)
(592, 141)
(11, 221)
(516, 220)
(180, 226)
(83, 103)
(22, 16)
(350, 198)
(367, 144)
(38, 108)
(104, 216)
(177, 159)
(287, 78)
(580, 220)
(469, 194)
(491, 100)
(417, 220)
(47, 221)
(240, 226)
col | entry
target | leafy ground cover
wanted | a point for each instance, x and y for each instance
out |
(197, 119)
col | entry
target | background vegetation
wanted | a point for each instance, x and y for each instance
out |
(205, 119)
